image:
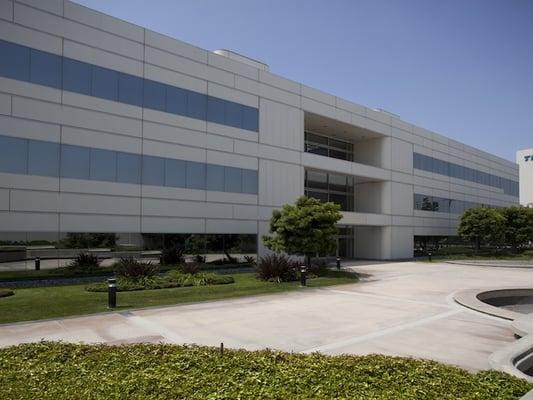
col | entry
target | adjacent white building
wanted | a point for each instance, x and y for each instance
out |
(524, 159)
(118, 138)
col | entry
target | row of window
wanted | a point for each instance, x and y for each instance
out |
(36, 157)
(447, 168)
(440, 204)
(56, 249)
(326, 146)
(26, 64)
(326, 187)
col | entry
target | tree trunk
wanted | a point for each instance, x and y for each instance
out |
(478, 244)
(231, 259)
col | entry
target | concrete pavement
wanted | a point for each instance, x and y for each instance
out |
(404, 309)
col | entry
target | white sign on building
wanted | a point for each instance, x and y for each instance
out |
(524, 159)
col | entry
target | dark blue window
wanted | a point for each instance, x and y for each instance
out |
(76, 76)
(154, 95)
(153, 171)
(215, 177)
(75, 161)
(104, 83)
(175, 173)
(128, 168)
(215, 110)
(45, 69)
(103, 165)
(13, 155)
(176, 101)
(233, 114)
(196, 105)
(195, 175)
(250, 118)
(232, 179)
(43, 158)
(130, 89)
(249, 181)
(14, 61)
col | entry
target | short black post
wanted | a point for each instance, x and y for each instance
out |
(221, 349)
(429, 256)
(303, 275)
(37, 263)
(338, 263)
(111, 293)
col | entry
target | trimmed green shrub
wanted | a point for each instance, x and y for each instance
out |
(55, 371)
(174, 279)
(129, 267)
(82, 264)
(277, 268)
(6, 292)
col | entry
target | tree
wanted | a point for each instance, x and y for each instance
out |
(518, 227)
(482, 224)
(304, 228)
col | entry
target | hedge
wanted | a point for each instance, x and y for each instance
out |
(173, 279)
(66, 371)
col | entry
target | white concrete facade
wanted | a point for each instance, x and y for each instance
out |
(384, 219)
(524, 159)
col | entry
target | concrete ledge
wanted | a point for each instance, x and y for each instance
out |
(518, 356)
(472, 299)
(514, 358)
(494, 263)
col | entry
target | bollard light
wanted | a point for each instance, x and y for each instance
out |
(338, 263)
(303, 277)
(37, 263)
(111, 293)
(429, 256)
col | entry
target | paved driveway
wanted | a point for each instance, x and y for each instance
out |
(401, 309)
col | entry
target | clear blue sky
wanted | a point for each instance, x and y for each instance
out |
(462, 68)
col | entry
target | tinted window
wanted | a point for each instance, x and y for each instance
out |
(175, 171)
(215, 110)
(233, 114)
(43, 158)
(14, 61)
(215, 177)
(195, 175)
(176, 101)
(250, 118)
(104, 83)
(154, 95)
(75, 162)
(76, 76)
(153, 171)
(130, 89)
(196, 105)
(128, 168)
(13, 155)
(249, 181)
(45, 69)
(103, 165)
(232, 180)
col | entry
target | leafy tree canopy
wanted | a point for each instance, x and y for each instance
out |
(481, 225)
(305, 228)
(518, 226)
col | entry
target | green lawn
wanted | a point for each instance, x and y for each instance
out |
(66, 371)
(61, 301)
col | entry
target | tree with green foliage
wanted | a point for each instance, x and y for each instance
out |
(481, 225)
(518, 226)
(304, 228)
